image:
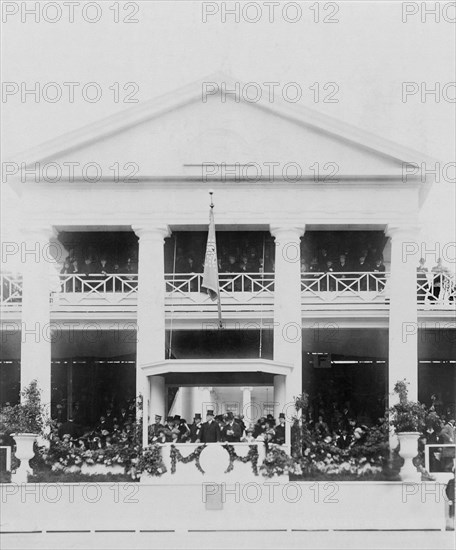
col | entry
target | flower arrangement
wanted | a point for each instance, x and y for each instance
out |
(251, 456)
(407, 416)
(62, 455)
(277, 462)
(29, 416)
(176, 456)
(150, 461)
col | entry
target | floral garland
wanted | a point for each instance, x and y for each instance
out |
(251, 456)
(176, 455)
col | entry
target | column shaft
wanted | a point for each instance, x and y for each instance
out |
(403, 322)
(287, 304)
(151, 307)
(36, 333)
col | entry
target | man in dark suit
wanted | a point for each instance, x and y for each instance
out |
(232, 430)
(361, 266)
(195, 429)
(377, 282)
(279, 437)
(210, 430)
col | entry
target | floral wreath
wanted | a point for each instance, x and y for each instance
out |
(251, 456)
(176, 456)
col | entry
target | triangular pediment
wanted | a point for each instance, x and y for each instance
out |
(178, 133)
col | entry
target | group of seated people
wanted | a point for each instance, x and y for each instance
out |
(95, 270)
(110, 429)
(227, 428)
(432, 284)
(249, 259)
(343, 430)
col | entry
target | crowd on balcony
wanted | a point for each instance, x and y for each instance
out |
(228, 428)
(112, 429)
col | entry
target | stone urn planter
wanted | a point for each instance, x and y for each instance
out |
(408, 442)
(24, 452)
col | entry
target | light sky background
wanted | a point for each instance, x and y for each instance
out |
(369, 54)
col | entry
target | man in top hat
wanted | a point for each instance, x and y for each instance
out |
(210, 430)
(279, 437)
(168, 428)
(157, 425)
(232, 430)
(184, 430)
(195, 428)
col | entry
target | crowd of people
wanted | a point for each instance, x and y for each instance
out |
(228, 428)
(122, 428)
(110, 429)
(434, 284)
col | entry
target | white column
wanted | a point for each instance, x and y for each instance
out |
(247, 403)
(157, 397)
(188, 406)
(151, 306)
(279, 395)
(36, 334)
(403, 323)
(287, 304)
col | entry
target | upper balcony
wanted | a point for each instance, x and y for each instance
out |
(241, 293)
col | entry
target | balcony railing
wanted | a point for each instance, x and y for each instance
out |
(11, 290)
(251, 291)
(344, 287)
(96, 289)
(436, 290)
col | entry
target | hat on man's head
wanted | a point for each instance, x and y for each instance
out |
(158, 417)
(197, 416)
(270, 417)
(282, 415)
(177, 417)
(169, 419)
(229, 415)
(210, 412)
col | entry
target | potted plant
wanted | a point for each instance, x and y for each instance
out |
(25, 422)
(408, 419)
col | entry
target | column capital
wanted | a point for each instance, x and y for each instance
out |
(246, 388)
(403, 230)
(290, 230)
(151, 231)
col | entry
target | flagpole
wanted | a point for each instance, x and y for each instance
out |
(219, 305)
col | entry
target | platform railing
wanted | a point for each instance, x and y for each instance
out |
(11, 290)
(436, 290)
(229, 283)
(250, 291)
(76, 288)
(344, 287)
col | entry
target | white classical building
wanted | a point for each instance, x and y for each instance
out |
(286, 180)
